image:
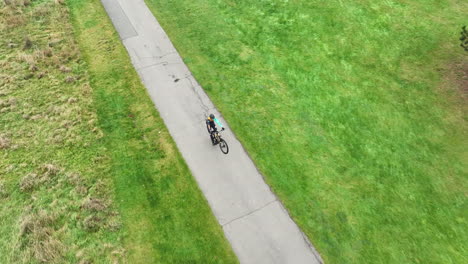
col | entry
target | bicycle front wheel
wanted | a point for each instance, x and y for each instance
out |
(223, 146)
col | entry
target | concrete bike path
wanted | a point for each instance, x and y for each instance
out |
(259, 229)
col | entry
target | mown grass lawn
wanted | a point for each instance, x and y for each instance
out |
(88, 171)
(353, 110)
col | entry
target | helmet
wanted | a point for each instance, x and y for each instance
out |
(212, 116)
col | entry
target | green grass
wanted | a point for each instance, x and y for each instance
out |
(88, 172)
(349, 109)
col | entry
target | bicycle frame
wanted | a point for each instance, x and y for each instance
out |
(216, 136)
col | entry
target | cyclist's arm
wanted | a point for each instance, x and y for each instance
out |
(219, 123)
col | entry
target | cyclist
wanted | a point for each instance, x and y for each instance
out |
(211, 122)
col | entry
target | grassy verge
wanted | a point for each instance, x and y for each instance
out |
(362, 126)
(88, 170)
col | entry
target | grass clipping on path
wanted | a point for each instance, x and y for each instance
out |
(55, 203)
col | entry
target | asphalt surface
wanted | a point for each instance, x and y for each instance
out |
(259, 229)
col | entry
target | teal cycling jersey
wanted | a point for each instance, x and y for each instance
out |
(217, 122)
(211, 123)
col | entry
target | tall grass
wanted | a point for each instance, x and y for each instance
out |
(53, 163)
(88, 172)
(349, 110)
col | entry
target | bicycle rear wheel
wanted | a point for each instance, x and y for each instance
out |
(223, 146)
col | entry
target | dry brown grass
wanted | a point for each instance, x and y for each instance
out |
(94, 204)
(45, 173)
(98, 211)
(93, 223)
(4, 142)
(7, 105)
(28, 182)
(40, 229)
(15, 21)
(39, 237)
(68, 54)
(70, 79)
(42, 11)
(64, 68)
(74, 178)
(460, 77)
(27, 58)
(50, 170)
(12, 15)
(47, 52)
(33, 222)
(16, 3)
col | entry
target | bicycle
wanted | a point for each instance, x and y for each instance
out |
(218, 140)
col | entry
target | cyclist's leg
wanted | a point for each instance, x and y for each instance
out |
(212, 138)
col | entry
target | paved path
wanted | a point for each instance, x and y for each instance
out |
(254, 221)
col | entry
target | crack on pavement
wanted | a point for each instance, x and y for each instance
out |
(123, 39)
(157, 57)
(251, 212)
(192, 86)
(153, 57)
(167, 54)
(136, 54)
(164, 63)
